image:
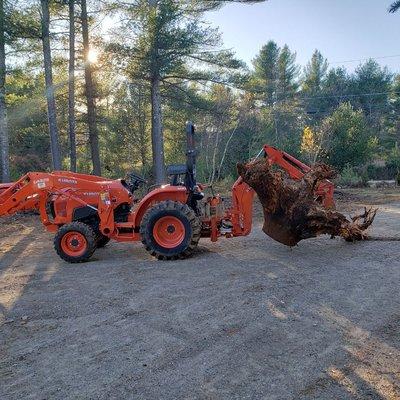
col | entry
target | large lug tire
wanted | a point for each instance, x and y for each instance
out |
(75, 242)
(170, 230)
(101, 241)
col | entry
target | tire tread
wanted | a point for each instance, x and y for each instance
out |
(79, 227)
(187, 212)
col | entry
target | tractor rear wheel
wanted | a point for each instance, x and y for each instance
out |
(75, 242)
(170, 230)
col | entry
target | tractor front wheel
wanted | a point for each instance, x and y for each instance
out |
(170, 230)
(75, 242)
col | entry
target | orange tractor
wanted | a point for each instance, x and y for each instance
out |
(86, 211)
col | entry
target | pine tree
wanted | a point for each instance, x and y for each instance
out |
(90, 93)
(288, 74)
(51, 102)
(314, 73)
(313, 81)
(4, 139)
(372, 83)
(266, 71)
(71, 86)
(166, 37)
(395, 6)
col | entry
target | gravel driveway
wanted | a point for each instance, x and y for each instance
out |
(246, 318)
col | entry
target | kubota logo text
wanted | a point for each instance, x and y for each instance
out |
(66, 180)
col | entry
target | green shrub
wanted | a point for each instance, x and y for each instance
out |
(224, 185)
(350, 178)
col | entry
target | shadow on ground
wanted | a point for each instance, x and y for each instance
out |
(244, 318)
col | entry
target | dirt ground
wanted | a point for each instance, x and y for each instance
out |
(245, 318)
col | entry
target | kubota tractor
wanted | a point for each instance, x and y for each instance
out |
(86, 211)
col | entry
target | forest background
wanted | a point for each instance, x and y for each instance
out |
(74, 97)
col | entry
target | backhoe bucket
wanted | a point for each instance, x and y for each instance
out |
(277, 229)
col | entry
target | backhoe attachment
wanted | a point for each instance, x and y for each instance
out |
(295, 207)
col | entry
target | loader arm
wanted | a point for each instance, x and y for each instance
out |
(4, 187)
(19, 196)
(34, 190)
(30, 193)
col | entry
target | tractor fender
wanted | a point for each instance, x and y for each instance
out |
(163, 193)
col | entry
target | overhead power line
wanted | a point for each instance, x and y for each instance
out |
(348, 95)
(365, 59)
(333, 96)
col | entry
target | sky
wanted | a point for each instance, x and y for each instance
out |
(343, 30)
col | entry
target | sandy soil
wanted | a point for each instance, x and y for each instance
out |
(246, 318)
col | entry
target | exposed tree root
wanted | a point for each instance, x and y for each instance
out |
(291, 213)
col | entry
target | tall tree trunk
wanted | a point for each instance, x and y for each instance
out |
(157, 137)
(141, 118)
(71, 87)
(214, 157)
(142, 140)
(89, 89)
(4, 140)
(51, 101)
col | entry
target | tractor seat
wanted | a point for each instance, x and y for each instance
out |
(175, 171)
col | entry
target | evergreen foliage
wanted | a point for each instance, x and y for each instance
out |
(161, 65)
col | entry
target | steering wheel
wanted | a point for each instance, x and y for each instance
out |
(134, 181)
